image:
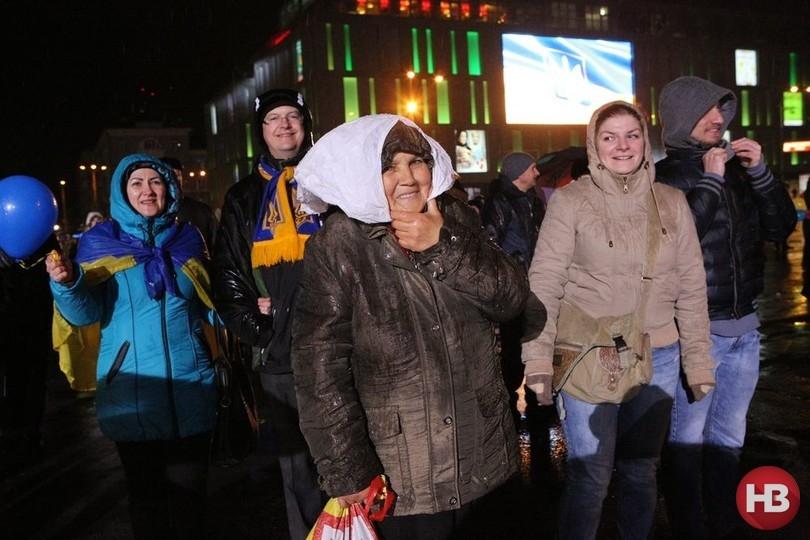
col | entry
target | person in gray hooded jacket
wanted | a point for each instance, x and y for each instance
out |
(737, 204)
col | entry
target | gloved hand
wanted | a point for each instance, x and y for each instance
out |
(700, 391)
(5, 260)
(540, 384)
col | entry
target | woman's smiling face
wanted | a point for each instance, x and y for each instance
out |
(620, 143)
(407, 182)
(146, 192)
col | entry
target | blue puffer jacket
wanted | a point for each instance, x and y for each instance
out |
(155, 379)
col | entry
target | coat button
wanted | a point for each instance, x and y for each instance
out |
(435, 327)
(453, 501)
(448, 420)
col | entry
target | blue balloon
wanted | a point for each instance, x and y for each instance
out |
(28, 213)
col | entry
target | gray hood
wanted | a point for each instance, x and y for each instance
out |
(683, 102)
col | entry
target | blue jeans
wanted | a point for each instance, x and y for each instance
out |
(629, 435)
(706, 440)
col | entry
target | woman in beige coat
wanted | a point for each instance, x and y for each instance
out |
(591, 253)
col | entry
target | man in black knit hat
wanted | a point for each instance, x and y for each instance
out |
(257, 263)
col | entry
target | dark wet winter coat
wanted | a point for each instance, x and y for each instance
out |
(395, 360)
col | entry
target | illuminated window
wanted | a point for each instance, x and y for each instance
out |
(425, 102)
(442, 102)
(793, 77)
(745, 64)
(596, 18)
(453, 56)
(465, 10)
(330, 52)
(793, 108)
(212, 113)
(486, 102)
(517, 140)
(299, 61)
(347, 46)
(745, 108)
(361, 7)
(473, 104)
(384, 5)
(473, 54)
(372, 96)
(417, 67)
(351, 99)
(248, 141)
(426, 7)
(429, 49)
(444, 10)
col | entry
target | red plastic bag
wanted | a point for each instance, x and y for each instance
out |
(354, 522)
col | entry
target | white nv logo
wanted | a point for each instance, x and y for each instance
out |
(774, 498)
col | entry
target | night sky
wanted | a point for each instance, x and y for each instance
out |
(71, 69)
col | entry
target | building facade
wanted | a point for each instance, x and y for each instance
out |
(489, 77)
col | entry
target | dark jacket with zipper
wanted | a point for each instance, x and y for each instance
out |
(238, 286)
(395, 360)
(733, 218)
(512, 218)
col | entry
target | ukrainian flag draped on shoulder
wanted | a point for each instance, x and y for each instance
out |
(106, 249)
(282, 229)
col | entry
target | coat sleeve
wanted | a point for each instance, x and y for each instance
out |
(235, 293)
(331, 415)
(466, 260)
(777, 214)
(548, 275)
(691, 305)
(79, 304)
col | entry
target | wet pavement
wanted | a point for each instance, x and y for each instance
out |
(75, 489)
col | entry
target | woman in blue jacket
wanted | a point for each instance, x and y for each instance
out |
(140, 275)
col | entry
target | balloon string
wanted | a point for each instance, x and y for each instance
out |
(27, 266)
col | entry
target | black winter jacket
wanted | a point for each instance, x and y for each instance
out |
(733, 218)
(237, 286)
(395, 364)
(512, 219)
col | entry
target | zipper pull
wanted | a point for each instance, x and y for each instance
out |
(624, 179)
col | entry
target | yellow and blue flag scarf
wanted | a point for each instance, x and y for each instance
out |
(282, 229)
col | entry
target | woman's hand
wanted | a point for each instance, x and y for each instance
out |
(540, 384)
(60, 269)
(418, 231)
(348, 500)
(265, 305)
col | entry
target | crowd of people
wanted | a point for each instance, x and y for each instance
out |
(395, 329)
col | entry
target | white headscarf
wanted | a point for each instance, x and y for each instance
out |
(344, 169)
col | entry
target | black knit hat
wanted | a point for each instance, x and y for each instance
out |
(278, 97)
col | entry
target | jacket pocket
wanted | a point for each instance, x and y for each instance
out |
(119, 359)
(385, 432)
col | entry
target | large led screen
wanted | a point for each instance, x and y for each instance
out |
(559, 80)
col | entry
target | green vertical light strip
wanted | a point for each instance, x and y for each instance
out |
(453, 55)
(473, 54)
(299, 60)
(768, 114)
(330, 51)
(372, 96)
(417, 66)
(347, 46)
(248, 141)
(486, 103)
(425, 102)
(573, 138)
(429, 49)
(745, 108)
(442, 102)
(653, 107)
(351, 99)
(517, 140)
(794, 71)
(794, 156)
(758, 110)
(473, 105)
(398, 96)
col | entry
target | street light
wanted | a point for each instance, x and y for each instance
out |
(93, 180)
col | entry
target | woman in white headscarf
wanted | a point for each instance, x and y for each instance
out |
(393, 346)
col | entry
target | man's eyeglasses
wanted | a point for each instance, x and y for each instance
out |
(275, 119)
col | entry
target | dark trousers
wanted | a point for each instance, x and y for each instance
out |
(167, 486)
(448, 525)
(302, 496)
